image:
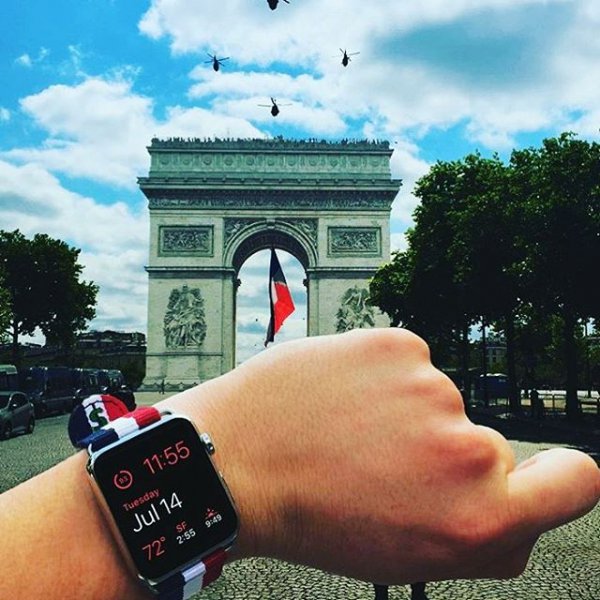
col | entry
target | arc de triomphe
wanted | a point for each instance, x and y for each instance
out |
(215, 203)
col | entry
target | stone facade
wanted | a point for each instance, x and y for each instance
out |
(215, 203)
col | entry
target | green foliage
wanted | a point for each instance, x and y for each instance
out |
(5, 310)
(516, 245)
(42, 288)
(560, 189)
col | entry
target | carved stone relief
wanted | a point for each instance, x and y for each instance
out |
(233, 226)
(272, 199)
(307, 226)
(355, 312)
(184, 324)
(196, 240)
(354, 240)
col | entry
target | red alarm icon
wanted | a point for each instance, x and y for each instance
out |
(123, 480)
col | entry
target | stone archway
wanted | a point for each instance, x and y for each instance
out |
(214, 203)
(262, 239)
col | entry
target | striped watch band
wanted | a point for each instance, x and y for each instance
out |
(192, 579)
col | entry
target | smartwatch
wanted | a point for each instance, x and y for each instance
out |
(168, 505)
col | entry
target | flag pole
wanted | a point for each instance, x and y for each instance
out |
(270, 333)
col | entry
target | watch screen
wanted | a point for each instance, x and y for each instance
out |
(166, 497)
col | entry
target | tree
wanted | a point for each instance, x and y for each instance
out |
(41, 281)
(431, 294)
(400, 289)
(560, 186)
(5, 312)
(487, 251)
(390, 287)
(463, 221)
(514, 245)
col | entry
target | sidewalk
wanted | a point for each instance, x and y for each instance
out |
(150, 398)
(556, 429)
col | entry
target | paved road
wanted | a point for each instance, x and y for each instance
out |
(565, 564)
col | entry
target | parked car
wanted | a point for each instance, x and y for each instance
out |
(49, 389)
(16, 414)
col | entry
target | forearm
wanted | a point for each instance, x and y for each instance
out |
(56, 539)
(56, 543)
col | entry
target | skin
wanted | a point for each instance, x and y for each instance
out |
(337, 450)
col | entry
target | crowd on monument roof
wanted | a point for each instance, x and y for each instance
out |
(267, 143)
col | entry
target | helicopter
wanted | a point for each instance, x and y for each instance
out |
(346, 57)
(216, 62)
(273, 3)
(274, 107)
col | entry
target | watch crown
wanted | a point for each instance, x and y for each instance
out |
(208, 443)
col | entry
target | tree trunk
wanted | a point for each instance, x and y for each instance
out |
(514, 395)
(484, 365)
(16, 358)
(572, 406)
(464, 366)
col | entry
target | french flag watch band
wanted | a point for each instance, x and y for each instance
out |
(122, 427)
(192, 579)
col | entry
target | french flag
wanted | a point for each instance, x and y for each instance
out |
(282, 305)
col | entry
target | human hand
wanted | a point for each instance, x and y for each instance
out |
(353, 454)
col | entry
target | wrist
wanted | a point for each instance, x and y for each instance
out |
(216, 407)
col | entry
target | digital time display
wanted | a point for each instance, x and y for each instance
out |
(166, 497)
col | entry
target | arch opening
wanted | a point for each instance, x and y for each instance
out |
(266, 239)
(252, 312)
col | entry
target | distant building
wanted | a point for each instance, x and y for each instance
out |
(111, 340)
(496, 353)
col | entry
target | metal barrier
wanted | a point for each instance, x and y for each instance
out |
(590, 402)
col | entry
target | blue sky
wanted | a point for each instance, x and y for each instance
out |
(85, 85)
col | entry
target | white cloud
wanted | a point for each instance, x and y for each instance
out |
(122, 298)
(203, 123)
(405, 164)
(390, 88)
(300, 33)
(24, 61)
(27, 61)
(99, 129)
(4, 114)
(398, 241)
(113, 238)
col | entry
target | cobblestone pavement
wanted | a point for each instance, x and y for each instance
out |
(565, 564)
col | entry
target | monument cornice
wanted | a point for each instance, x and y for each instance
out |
(182, 182)
(337, 272)
(171, 272)
(274, 199)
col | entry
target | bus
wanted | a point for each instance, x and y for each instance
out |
(49, 389)
(496, 383)
(9, 378)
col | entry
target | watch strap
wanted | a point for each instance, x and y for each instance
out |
(192, 579)
(121, 427)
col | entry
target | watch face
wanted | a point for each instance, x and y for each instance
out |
(166, 497)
